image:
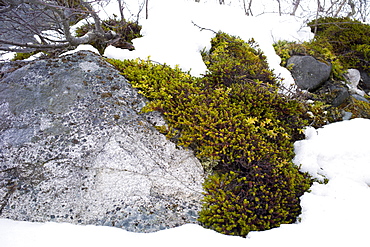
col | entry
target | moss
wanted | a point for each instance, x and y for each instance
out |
(260, 197)
(234, 119)
(349, 40)
(231, 59)
(321, 113)
(23, 56)
(358, 108)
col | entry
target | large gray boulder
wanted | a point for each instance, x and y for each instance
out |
(73, 148)
(308, 73)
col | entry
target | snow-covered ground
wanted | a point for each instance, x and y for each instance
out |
(334, 214)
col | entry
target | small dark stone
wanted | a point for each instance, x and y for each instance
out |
(365, 81)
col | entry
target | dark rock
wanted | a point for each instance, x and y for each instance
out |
(334, 93)
(341, 95)
(365, 81)
(73, 148)
(308, 73)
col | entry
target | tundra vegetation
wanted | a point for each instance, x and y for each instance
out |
(234, 117)
(240, 127)
(345, 44)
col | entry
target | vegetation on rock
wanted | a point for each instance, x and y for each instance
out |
(234, 118)
(126, 30)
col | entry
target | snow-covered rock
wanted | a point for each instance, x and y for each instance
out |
(73, 148)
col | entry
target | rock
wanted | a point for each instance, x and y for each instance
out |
(359, 97)
(353, 77)
(73, 148)
(308, 73)
(346, 115)
(341, 95)
(365, 81)
(334, 93)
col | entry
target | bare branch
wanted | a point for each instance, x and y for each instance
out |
(340, 7)
(30, 45)
(295, 6)
(46, 24)
(248, 11)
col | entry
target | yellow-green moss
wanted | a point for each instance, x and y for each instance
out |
(260, 197)
(235, 118)
(233, 60)
(321, 113)
(23, 56)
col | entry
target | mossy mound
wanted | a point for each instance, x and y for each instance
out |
(343, 42)
(349, 40)
(234, 118)
(232, 60)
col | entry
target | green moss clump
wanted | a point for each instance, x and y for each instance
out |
(235, 118)
(349, 40)
(321, 113)
(260, 197)
(233, 60)
(24, 55)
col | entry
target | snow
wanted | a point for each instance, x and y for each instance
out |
(335, 213)
(175, 37)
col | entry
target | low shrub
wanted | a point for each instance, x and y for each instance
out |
(239, 122)
(231, 60)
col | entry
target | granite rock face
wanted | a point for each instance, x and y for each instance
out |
(73, 148)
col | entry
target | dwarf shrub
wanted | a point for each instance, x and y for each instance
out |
(233, 60)
(239, 122)
(359, 108)
(261, 196)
